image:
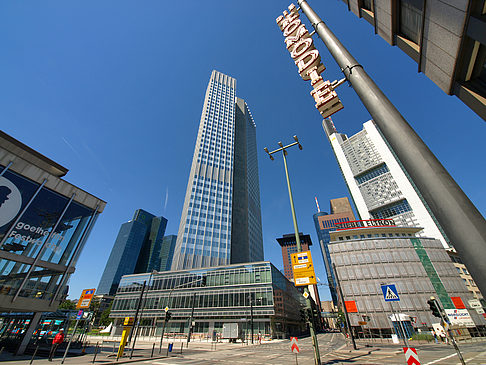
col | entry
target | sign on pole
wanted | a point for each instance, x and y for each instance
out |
(79, 315)
(390, 293)
(303, 269)
(460, 317)
(411, 356)
(85, 299)
(294, 347)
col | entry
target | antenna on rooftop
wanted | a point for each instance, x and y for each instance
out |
(317, 203)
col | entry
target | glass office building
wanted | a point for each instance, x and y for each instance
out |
(233, 293)
(167, 252)
(44, 224)
(136, 250)
(221, 218)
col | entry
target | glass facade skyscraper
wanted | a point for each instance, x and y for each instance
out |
(136, 250)
(167, 252)
(221, 219)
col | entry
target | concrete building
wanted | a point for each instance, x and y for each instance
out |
(44, 224)
(221, 217)
(465, 275)
(341, 211)
(370, 253)
(243, 293)
(447, 39)
(378, 184)
(136, 250)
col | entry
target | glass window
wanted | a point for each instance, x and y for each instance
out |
(410, 19)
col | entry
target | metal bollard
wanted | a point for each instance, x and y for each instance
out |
(95, 353)
(153, 347)
(182, 345)
(31, 360)
(1, 350)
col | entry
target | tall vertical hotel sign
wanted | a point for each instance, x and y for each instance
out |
(306, 57)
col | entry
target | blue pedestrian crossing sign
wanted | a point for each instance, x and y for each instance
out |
(390, 293)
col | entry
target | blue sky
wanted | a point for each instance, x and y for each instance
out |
(113, 91)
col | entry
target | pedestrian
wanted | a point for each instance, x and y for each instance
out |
(58, 339)
(435, 337)
(260, 337)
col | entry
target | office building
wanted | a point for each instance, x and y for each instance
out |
(136, 250)
(167, 252)
(378, 184)
(243, 293)
(221, 218)
(447, 39)
(44, 224)
(370, 253)
(465, 275)
(341, 211)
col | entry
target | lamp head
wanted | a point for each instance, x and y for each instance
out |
(296, 139)
(280, 144)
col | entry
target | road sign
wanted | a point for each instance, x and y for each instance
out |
(85, 299)
(294, 347)
(303, 268)
(166, 309)
(306, 295)
(79, 315)
(390, 293)
(411, 356)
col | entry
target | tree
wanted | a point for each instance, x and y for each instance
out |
(68, 304)
(105, 316)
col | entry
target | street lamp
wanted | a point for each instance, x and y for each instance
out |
(317, 357)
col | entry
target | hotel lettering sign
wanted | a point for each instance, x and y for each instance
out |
(308, 61)
(366, 223)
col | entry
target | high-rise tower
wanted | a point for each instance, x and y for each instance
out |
(378, 184)
(221, 219)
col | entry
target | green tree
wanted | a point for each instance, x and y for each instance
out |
(105, 316)
(68, 304)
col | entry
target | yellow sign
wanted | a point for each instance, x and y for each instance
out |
(85, 299)
(128, 321)
(303, 268)
(123, 341)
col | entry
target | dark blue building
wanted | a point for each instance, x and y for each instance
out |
(167, 252)
(136, 250)
(341, 211)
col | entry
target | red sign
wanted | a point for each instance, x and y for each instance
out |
(458, 303)
(351, 306)
(365, 223)
(294, 347)
(411, 356)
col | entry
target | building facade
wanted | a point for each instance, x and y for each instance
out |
(446, 39)
(167, 252)
(244, 293)
(341, 211)
(221, 217)
(136, 250)
(44, 224)
(378, 184)
(370, 255)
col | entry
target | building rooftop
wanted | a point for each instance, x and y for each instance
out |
(289, 239)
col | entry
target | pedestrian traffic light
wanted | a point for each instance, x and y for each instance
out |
(203, 280)
(168, 316)
(434, 307)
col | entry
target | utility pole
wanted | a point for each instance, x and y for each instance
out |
(346, 316)
(308, 306)
(135, 320)
(458, 217)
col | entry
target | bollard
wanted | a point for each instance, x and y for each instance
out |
(182, 345)
(31, 360)
(153, 347)
(95, 353)
(114, 343)
(1, 350)
(84, 348)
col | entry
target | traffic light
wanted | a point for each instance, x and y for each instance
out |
(168, 316)
(434, 307)
(203, 280)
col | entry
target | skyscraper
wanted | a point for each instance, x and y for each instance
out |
(136, 250)
(167, 252)
(341, 211)
(221, 218)
(380, 187)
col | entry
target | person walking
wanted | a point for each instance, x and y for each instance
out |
(58, 339)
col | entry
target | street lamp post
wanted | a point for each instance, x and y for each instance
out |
(317, 357)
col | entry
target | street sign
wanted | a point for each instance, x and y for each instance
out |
(166, 309)
(85, 299)
(303, 268)
(294, 347)
(79, 315)
(306, 295)
(411, 356)
(390, 293)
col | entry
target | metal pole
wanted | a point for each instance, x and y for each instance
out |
(458, 217)
(190, 320)
(135, 320)
(449, 332)
(70, 340)
(251, 318)
(405, 342)
(317, 356)
(346, 316)
(162, 336)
